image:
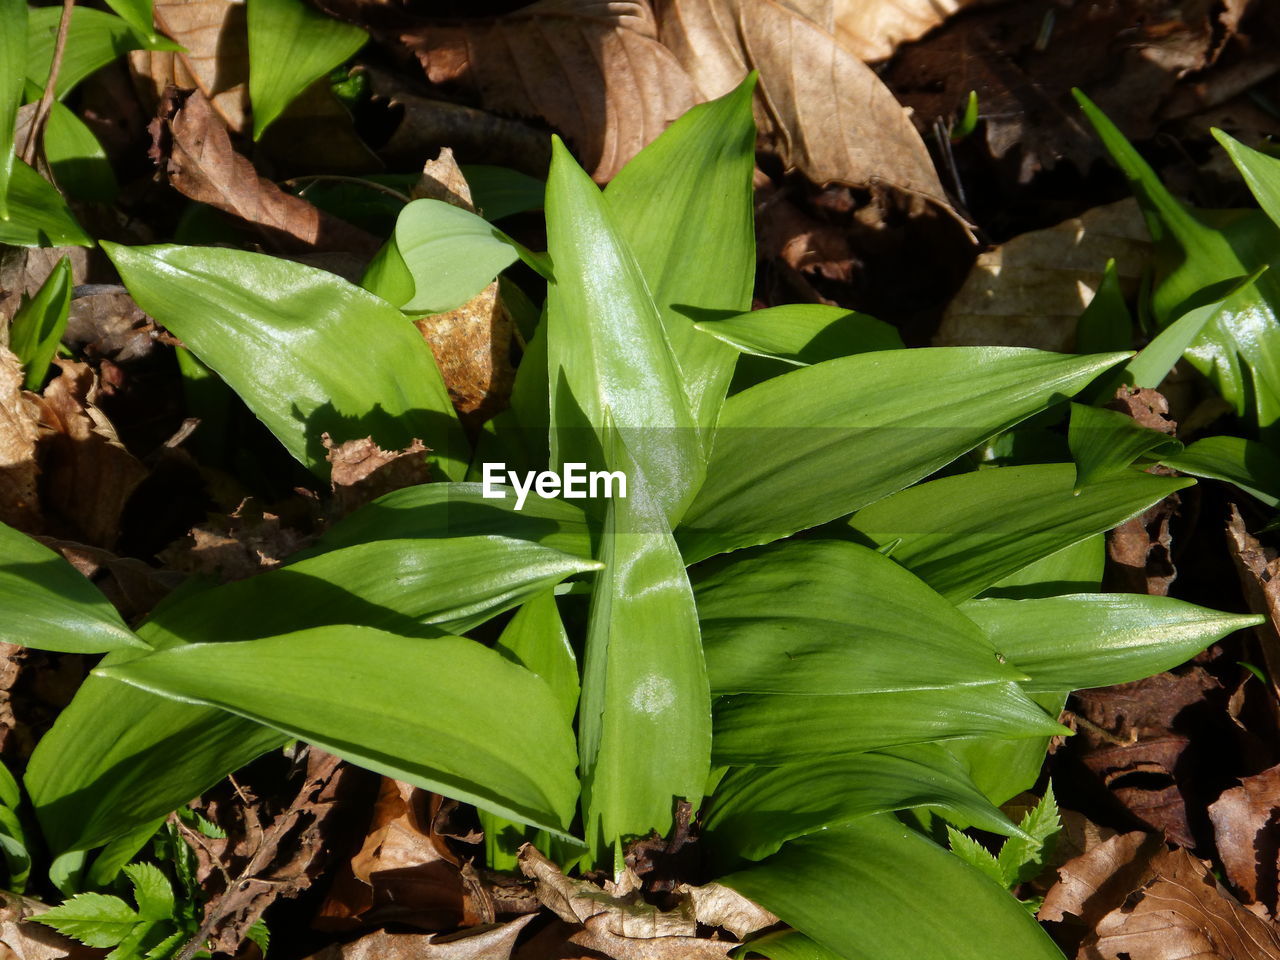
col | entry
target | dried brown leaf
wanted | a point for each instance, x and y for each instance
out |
(1030, 291)
(19, 415)
(472, 347)
(442, 179)
(592, 69)
(193, 148)
(20, 940)
(872, 29)
(87, 474)
(490, 942)
(826, 112)
(1245, 833)
(718, 906)
(1094, 883)
(1258, 569)
(362, 471)
(24, 269)
(133, 587)
(599, 934)
(242, 544)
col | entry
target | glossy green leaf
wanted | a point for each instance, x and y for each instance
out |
(1003, 768)
(826, 617)
(499, 192)
(874, 889)
(78, 161)
(1074, 569)
(823, 441)
(94, 39)
(1260, 171)
(291, 45)
(1105, 324)
(13, 70)
(536, 639)
(450, 253)
(49, 605)
(802, 334)
(645, 717)
(1104, 442)
(1252, 466)
(139, 15)
(965, 533)
(308, 352)
(13, 844)
(118, 757)
(387, 275)
(684, 207)
(1095, 640)
(784, 945)
(422, 711)
(38, 324)
(1195, 252)
(756, 809)
(434, 510)
(607, 352)
(38, 216)
(773, 729)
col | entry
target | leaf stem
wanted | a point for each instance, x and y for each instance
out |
(36, 131)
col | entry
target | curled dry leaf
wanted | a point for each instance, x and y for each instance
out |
(1258, 568)
(242, 544)
(193, 148)
(133, 587)
(1030, 291)
(489, 942)
(826, 112)
(593, 69)
(1244, 828)
(88, 475)
(19, 415)
(362, 471)
(872, 29)
(718, 906)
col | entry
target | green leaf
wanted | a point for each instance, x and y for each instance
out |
(10, 793)
(499, 192)
(825, 617)
(139, 15)
(783, 945)
(871, 424)
(435, 510)
(1023, 858)
(38, 216)
(536, 639)
(152, 891)
(1072, 569)
(1002, 769)
(13, 68)
(1252, 466)
(874, 889)
(772, 729)
(449, 255)
(49, 605)
(802, 334)
(115, 855)
(291, 45)
(1105, 324)
(94, 919)
(259, 934)
(13, 842)
(306, 350)
(756, 809)
(94, 39)
(683, 205)
(1105, 442)
(965, 533)
(38, 324)
(1099, 639)
(608, 354)
(645, 718)
(977, 856)
(387, 275)
(167, 948)
(1260, 171)
(78, 161)
(422, 711)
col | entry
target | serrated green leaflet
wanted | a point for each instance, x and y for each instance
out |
(802, 334)
(38, 216)
(308, 352)
(1106, 441)
(756, 809)
(1095, 640)
(1252, 466)
(49, 605)
(826, 617)
(13, 69)
(684, 207)
(151, 890)
(94, 919)
(965, 533)
(418, 710)
(38, 324)
(886, 420)
(291, 44)
(857, 890)
(772, 729)
(94, 39)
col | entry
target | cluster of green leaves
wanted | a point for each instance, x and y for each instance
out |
(910, 653)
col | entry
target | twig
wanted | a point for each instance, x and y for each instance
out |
(36, 130)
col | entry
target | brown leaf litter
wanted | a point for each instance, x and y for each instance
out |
(1257, 567)
(246, 542)
(361, 471)
(20, 940)
(488, 942)
(19, 431)
(1246, 829)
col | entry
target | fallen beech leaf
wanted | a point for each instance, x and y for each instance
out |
(215, 61)
(1244, 819)
(242, 544)
(592, 69)
(133, 587)
(362, 471)
(194, 150)
(1094, 883)
(872, 29)
(718, 906)
(599, 935)
(109, 325)
(490, 942)
(19, 498)
(442, 179)
(87, 474)
(1030, 291)
(1258, 568)
(825, 111)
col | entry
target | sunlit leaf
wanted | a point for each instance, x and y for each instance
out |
(802, 334)
(1252, 466)
(1106, 441)
(94, 39)
(38, 324)
(78, 161)
(38, 216)
(1260, 171)
(13, 71)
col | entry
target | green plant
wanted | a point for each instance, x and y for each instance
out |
(911, 652)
